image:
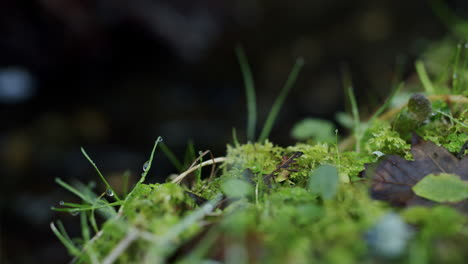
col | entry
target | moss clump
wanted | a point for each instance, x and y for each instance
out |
(386, 140)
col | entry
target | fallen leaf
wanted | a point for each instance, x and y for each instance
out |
(393, 178)
(286, 164)
(442, 188)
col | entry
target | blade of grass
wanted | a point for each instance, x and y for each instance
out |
(422, 73)
(66, 241)
(143, 175)
(87, 208)
(84, 228)
(150, 161)
(271, 118)
(452, 119)
(172, 158)
(234, 137)
(92, 216)
(455, 74)
(107, 211)
(464, 64)
(125, 180)
(100, 174)
(387, 102)
(249, 92)
(347, 83)
(189, 155)
(74, 205)
(72, 190)
(452, 21)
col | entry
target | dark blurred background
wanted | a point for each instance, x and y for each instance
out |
(113, 75)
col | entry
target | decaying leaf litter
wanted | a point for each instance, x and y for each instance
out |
(394, 178)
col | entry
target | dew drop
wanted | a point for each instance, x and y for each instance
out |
(466, 45)
(454, 76)
(146, 165)
(74, 212)
(160, 139)
(200, 152)
(109, 192)
(61, 202)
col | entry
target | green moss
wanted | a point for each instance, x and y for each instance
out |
(165, 202)
(382, 138)
(260, 158)
(451, 134)
(441, 234)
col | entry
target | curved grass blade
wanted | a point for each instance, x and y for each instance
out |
(100, 174)
(424, 77)
(172, 157)
(66, 241)
(249, 92)
(280, 100)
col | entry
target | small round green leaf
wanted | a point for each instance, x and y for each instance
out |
(312, 128)
(441, 188)
(236, 188)
(324, 181)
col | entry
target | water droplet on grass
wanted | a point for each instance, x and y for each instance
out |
(200, 152)
(146, 165)
(74, 212)
(160, 139)
(109, 192)
(61, 202)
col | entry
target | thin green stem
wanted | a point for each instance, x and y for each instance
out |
(66, 241)
(100, 174)
(249, 92)
(424, 77)
(271, 118)
(172, 157)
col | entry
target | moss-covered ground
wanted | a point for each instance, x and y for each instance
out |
(271, 204)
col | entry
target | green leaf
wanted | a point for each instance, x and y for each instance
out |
(344, 119)
(324, 181)
(444, 187)
(313, 128)
(236, 188)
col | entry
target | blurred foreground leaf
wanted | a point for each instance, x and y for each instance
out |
(441, 188)
(324, 181)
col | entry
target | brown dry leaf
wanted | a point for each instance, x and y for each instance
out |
(393, 177)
